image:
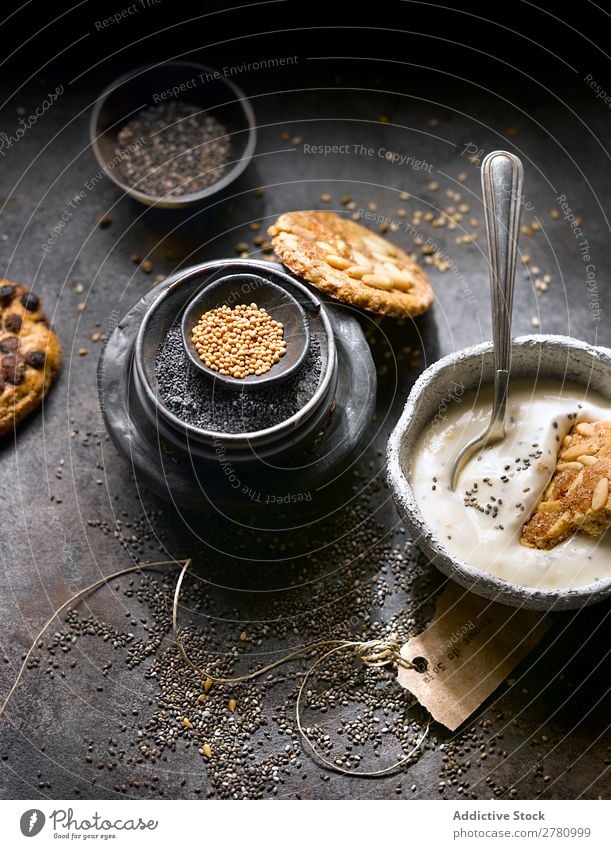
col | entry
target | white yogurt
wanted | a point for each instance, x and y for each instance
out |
(503, 484)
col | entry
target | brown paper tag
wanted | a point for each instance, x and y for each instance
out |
(470, 647)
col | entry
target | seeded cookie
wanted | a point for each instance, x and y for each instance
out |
(350, 263)
(577, 498)
(30, 354)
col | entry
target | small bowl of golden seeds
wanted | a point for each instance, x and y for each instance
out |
(245, 331)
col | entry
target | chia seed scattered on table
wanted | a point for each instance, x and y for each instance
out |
(173, 149)
(200, 401)
(358, 717)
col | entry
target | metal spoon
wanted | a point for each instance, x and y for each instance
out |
(502, 181)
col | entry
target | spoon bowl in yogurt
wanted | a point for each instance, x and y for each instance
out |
(473, 534)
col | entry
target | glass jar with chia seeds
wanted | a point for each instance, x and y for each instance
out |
(201, 443)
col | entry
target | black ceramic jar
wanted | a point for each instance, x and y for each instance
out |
(203, 446)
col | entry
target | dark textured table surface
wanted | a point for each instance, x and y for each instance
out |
(71, 511)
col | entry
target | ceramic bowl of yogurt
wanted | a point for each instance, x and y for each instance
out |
(473, 534)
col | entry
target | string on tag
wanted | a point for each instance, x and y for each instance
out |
(372, 653)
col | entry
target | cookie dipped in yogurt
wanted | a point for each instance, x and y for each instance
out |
(519, 511)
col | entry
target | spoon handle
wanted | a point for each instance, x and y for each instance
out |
(502, 183)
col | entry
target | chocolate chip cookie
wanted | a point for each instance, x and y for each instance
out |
(30, 354)
(351, 263)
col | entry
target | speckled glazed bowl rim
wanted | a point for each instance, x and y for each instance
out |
(179, 201)
(405, 435)
(284, 428)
